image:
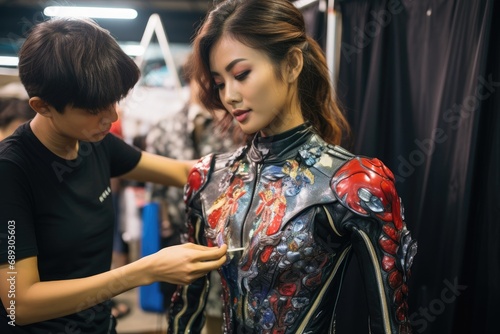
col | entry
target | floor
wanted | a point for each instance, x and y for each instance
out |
(139, 321)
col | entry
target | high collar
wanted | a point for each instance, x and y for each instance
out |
(279, 147)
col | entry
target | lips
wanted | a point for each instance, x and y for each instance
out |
(105, 132)
(240, 115)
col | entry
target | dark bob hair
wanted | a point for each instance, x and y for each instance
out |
(67, 61)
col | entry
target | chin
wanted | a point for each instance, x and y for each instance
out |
(94, 139)
(249, 130)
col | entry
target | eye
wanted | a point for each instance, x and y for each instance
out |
(242, 76)
(218, 83)
(218, 86)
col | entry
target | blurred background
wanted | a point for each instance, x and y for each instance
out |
(419, 82)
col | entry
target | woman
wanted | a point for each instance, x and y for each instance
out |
(56, 210)
(291, 205)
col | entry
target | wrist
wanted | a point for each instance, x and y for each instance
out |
(136, 273)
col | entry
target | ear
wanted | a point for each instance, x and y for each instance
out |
(40, 106)
(295, 62)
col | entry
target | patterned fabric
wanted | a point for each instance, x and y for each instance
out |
(174, 137)
(188, 135)
(298, 208)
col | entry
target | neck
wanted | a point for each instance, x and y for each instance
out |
(62, 146)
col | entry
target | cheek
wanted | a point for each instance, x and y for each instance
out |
(266, 95)
(227, 107)
(95, 126)
(219, 114)
(266, 89)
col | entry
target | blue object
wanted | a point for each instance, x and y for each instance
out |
(150, 296)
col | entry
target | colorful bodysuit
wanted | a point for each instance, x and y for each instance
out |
(298, 207)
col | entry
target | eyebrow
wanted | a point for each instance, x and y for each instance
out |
(231, 65)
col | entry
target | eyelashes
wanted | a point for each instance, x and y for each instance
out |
(218, 87)
(242, 76)
(239, 77)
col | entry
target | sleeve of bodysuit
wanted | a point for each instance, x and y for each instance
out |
(380, 239)
(188, 302)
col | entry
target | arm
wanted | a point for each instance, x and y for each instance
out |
(162, 170)
(380, 239)
(37, 301)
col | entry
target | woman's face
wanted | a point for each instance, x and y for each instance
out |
(250, 90)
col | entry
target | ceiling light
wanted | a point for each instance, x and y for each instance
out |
(304, 3)
(94, 12)
(8, 61)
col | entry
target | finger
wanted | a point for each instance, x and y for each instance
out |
(207, 266)
(201, 247)
(212, 253)
(191, 245)
(204, 252)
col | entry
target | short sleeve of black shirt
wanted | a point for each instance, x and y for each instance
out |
(33, 181)
(62, 212)
(123, 157)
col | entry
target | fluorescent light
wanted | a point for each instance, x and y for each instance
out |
(8, 61)
(132, 50)
(304, 3)
(94, 12)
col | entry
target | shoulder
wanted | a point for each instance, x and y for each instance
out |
(198, 176)
(326, 158)
(205, 167)
(14, 150)
(113, 144)
(366, 186)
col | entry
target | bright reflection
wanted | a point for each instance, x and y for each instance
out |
(303, 3)
(94, 12)
(8, 61)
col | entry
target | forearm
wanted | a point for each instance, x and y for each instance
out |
(161, 170)
(39, 301)
(385, 283)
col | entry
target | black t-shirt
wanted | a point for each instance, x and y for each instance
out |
(60, 211)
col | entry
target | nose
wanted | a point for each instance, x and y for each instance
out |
(231, 95)
(110, 115)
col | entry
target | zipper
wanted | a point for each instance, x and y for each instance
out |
(258, 168)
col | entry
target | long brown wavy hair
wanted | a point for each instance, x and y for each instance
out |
(75, 61)
(274, 27)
